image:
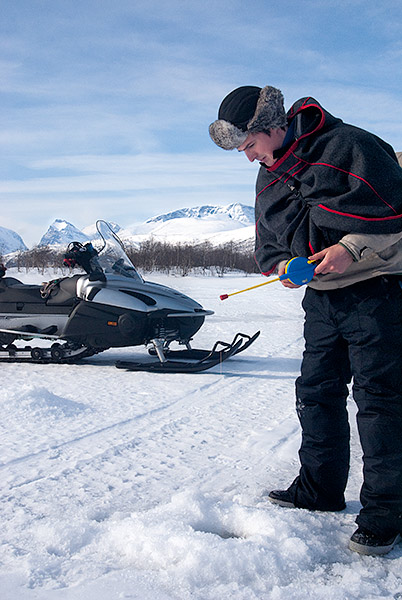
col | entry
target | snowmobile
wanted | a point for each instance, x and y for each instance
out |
(111, 306)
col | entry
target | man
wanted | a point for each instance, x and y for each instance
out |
(333, 192)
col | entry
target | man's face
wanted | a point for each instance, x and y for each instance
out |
(261, 146)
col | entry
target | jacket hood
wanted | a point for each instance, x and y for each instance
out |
(311, 117)
(307, 117)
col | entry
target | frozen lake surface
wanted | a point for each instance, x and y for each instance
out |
(144, 486)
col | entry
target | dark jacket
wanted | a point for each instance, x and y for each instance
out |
(332, 179)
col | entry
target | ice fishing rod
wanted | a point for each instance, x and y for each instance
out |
(298, 270)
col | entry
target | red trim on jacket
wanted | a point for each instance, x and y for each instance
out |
(338, 212)
(320, 164)
(268, 273)
(296, 142)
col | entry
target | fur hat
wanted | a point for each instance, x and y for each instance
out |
(246, 110)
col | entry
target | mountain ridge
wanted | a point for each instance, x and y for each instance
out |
(238, 212)
(217, 224)
(10, 241)
(62, 232)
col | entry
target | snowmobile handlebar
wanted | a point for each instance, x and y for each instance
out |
(85, 256)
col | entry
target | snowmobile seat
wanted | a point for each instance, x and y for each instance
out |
(16, 291)
(7, 281)
(64, 291)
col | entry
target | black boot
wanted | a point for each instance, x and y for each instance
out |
(365, 542)
(282, 498)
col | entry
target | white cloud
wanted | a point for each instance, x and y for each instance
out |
(108, 104)
(123, 188)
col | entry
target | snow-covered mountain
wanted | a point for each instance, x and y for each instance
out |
(238, 212)
(62, 233)
(10, 241)
(217, 224)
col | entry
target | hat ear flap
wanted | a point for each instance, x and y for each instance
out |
(226, 135)
(270, 111)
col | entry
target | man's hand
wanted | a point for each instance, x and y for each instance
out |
(335, 259)
(286, 282)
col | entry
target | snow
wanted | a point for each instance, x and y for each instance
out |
(216, 224)
(62, 233)
(239, 212)
(215, 229)
(10, 241)
(118, 485)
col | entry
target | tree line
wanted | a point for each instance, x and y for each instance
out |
(152, 255)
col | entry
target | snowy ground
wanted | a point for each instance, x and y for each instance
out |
(151, 487)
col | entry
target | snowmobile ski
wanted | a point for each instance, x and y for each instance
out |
(193, 360)
(176, 366)
(199, 354)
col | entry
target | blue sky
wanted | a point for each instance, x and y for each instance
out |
(105, 106)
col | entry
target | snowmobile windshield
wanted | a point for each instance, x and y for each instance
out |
(112, 256)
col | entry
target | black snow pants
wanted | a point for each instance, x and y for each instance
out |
(352, 334)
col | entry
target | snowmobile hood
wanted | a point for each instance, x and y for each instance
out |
(138, 295)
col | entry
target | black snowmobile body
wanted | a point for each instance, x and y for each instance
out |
(111, 306)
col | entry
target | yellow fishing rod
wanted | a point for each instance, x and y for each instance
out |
(298, 270)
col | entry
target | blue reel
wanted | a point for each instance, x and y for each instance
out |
(299, 270)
